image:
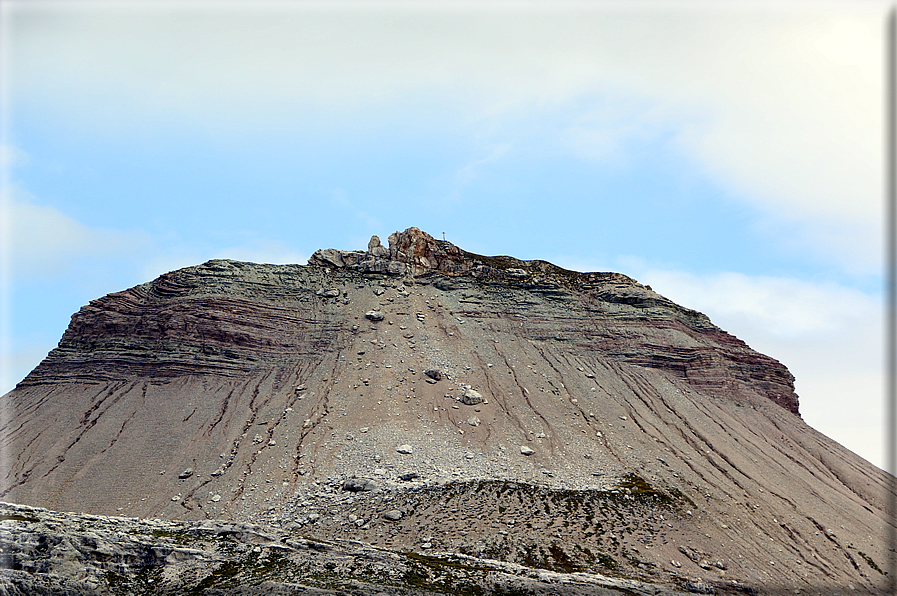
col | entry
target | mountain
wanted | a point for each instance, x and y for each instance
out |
(421, 398)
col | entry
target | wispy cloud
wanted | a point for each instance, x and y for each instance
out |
(12, 156)
(468, 172)
(776, 306)
(44, 241)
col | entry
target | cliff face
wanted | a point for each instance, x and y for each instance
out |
(398, 378)
(228, 318)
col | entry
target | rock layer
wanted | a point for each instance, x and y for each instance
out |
(551, 418)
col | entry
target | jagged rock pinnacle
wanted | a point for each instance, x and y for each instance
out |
(412, 251)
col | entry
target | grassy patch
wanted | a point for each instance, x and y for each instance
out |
(562, 561)
(182, 537)
(870, 562)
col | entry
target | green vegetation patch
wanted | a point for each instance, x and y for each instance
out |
(870, 562)
(638, 486)
(562, 561)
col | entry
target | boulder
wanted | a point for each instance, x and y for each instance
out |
(357, 485)
(376, 249)
(327, 257)
(471, 397)
(445, 285)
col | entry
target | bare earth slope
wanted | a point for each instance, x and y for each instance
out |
(495, 407)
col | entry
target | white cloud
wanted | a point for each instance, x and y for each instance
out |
(43, 241)
(777, 306)
(829, 336)
(11, 156)
(781, 103)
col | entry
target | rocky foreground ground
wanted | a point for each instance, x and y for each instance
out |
(45, 552)
(422, 399)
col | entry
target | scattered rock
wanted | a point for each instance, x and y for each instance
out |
(186, 473)
(374, 315)
(473, 421)
(445, 285)
(328, 293)
(393, 515)
(526, 450)
(434, 374)
(409, 476)
(471, 397)
(698, 586)
(406, 449)
(357, 485)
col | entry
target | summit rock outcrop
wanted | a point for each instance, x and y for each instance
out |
(422, 398)
(412, 251)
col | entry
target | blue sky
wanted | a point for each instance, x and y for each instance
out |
(728, 154)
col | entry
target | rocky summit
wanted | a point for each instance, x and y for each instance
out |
(418, 419)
